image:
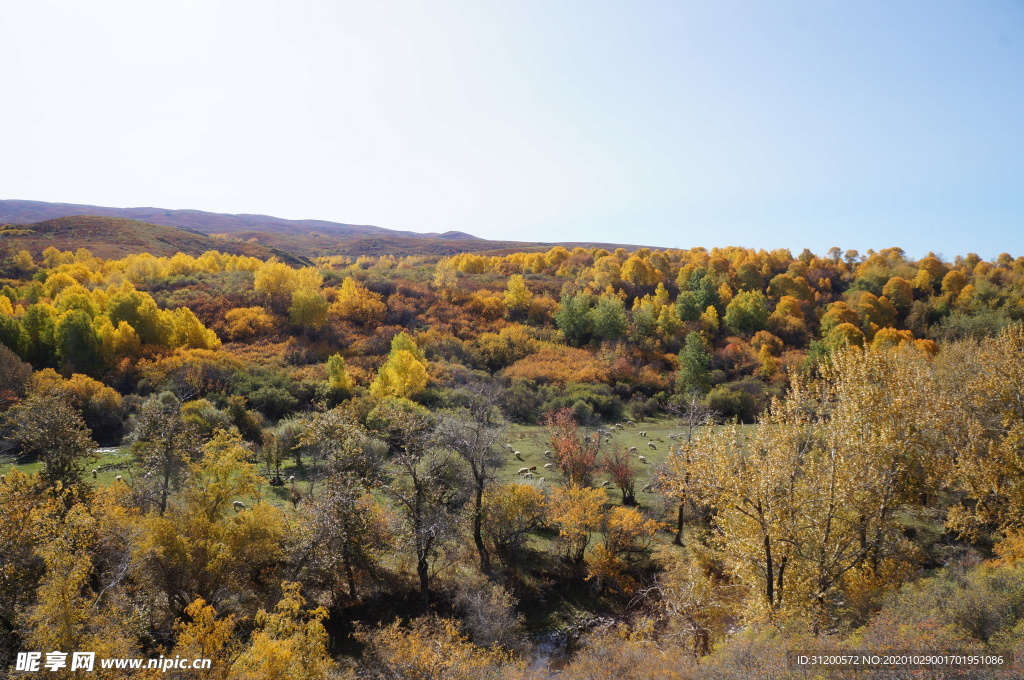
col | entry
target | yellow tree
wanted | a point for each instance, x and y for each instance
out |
(628, 535)
(430, 649)
(338, 378)
(404, 373)
(201, 635)
(510, 513)
(576, 511)
(276, 281)
(308, 309)
(288, 643)
(205, 546)
(985, 437)
(812, 494)
(356, 303)
(517, 297)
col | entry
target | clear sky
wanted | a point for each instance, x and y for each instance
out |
(860, 124)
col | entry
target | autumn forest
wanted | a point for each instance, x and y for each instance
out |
(581, 463)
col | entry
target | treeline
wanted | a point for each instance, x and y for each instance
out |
(611, 334)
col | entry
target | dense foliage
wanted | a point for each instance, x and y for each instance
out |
(419, 469)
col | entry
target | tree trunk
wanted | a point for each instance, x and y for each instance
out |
(478, 520)
(679, 524)
(351, 576)
(423, 571)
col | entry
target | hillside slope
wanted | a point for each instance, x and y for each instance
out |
(113, 237)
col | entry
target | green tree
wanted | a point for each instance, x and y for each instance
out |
(473, 433)
(163, 445)
(573, 318)
(78, 344)
(429, 484)
(747, 313)
(46, 426)
(13, 335)
(694, 366)
(608, 318)
(40, 323)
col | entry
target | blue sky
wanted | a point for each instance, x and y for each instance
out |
(785, 124)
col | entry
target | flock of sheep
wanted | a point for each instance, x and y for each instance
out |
(524, 472)
(531, 471)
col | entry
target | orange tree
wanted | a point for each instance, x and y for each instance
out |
(575, 452)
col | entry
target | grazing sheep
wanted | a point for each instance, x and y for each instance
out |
(547, 454)
(632, 449)
(291, 479)
(605, 483)
(238, 505)
(523, 471)
(533, 468)
(119, 478)
(642, 433)
(652, 445)
(642, 460)
(519, 456)
(528, 475)
(630, 423)
(648, 489)
(94, 472)
(549, 466)
(509, 447)
(542, 479)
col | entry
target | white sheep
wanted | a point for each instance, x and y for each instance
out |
(549, 466)
(642, 459)
(632, 449)
(238, 505)
(291, 479)
(648, 488)
(519, 456)
(605, 483)
(547, 454)
(94, 472)
(509, 447)
(119, 478)
(542, 479)
(630, 423)
(528, 475)
(523, 471)
(642, 433)
(652, 445)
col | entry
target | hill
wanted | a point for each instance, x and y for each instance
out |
(22, 212)
(303, 238)
(114, 237)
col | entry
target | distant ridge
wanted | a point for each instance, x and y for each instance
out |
(286, 239)
(25, 212)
